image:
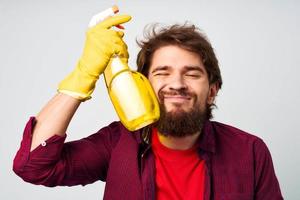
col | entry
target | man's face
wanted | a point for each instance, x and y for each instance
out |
(180, 81)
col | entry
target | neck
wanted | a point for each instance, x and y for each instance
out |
(179, 143)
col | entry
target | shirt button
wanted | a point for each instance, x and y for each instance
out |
(43, 143)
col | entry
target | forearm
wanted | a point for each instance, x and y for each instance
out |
(54, 118)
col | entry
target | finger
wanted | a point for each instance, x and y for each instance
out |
(121, 50)
(120, 42)
(113, 21)
(120, 33)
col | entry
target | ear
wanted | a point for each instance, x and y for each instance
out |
(212, 93)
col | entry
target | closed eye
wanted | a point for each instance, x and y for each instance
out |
(161, 74)
(193, 75)
(194, 71)
(161, 71)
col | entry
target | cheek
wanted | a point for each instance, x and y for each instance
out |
(201, 91)
(156, 85)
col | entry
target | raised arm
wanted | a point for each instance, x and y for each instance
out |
(43, 157)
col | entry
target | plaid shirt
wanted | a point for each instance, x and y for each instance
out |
(238, 165)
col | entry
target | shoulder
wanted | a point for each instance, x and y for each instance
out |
(115, 127)
(108, 135)
(226, 131)
(238, 147)
(228, 137)
(116, 131)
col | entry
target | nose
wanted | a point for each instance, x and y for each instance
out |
(177, 82)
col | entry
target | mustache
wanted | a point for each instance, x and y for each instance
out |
(180, 92)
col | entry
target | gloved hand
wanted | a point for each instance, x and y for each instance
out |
(101, 44)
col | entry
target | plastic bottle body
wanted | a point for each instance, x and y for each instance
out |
(131, 94)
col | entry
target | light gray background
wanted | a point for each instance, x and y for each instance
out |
(256, 42)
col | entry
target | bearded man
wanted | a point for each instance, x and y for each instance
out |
(184, 155)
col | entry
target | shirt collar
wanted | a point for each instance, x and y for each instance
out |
(206, 141)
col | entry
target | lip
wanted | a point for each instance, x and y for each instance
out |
(179, 99)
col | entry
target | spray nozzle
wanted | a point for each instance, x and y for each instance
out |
(103, 15)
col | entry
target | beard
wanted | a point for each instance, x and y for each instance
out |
(180, 123)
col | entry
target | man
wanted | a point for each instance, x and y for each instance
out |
(182, 156)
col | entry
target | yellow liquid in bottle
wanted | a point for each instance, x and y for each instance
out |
(134, 99)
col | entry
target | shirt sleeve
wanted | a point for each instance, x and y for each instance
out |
(55, 162)
(266, 183)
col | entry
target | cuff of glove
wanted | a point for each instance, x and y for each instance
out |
(79, 96)
(78, 84)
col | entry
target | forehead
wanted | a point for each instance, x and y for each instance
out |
(176, 58)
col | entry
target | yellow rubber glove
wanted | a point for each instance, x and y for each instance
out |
(101, 44)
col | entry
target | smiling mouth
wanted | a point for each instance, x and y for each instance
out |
(176, 98)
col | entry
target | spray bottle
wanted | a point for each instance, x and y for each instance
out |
(130, 92)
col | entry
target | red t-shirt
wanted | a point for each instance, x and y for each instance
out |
(179, 173)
